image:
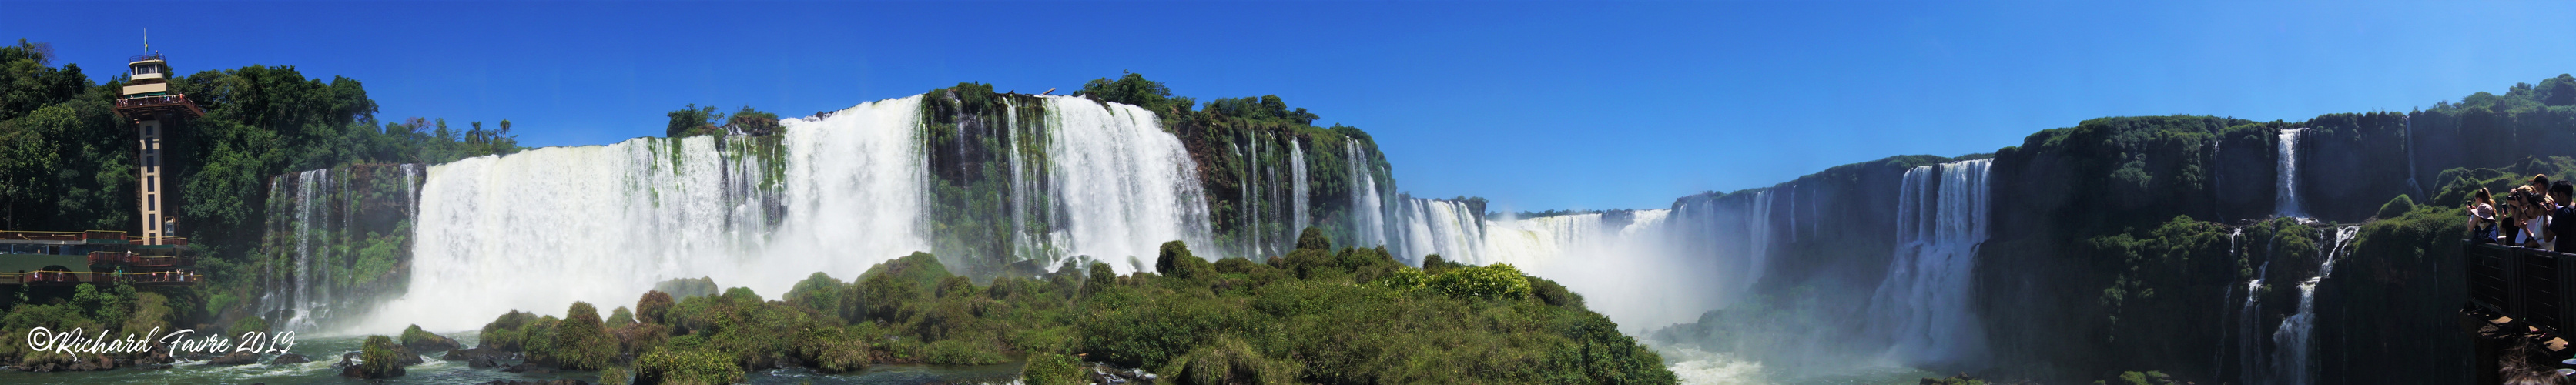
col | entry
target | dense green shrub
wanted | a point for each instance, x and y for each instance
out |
(580, 342)
(955, 352)
(1176, 261)
(1313, 239)
(654, 307)
(503, 333)
(1498, 280)
(1102, 278)
(686, 288)
(381, 360)
(2395, 207)
(686, 367)
(1468, 324)
(818, 294)
(635, 339)
(151, 311)
(1229, 361)
(834, 349)
(423, 341)
(1554, 294)
(620, 318)
(1053, 369)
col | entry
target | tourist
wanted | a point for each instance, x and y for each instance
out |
(2539, 185)
(2515, 215)
(2533, 214)
(2482, 217)
(2562, 217)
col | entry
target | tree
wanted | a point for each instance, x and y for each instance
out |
(1133, 89)
(752, 122)
(692, 121)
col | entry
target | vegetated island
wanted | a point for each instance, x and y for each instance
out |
(1313, 315)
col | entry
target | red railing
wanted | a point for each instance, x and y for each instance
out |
(153, 100)
(162, 278)
(77, 277)
(41, 236)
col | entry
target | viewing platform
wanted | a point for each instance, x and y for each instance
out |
(95, 257)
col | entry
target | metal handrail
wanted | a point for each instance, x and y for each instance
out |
(143, 57)
(151, 100)
(2527, 284)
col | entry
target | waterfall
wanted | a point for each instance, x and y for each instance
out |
(2286, 195)
(541, 228)
(1126, 186)
(1368, 215)
(2410, 159)
(1298, 185)
(1528, 242)
(2295, 340)
(331, 242)
(1757, 236)
(1923, 306)
(2248, 352)
(296, 307)
(1251, 202)
(1434, 226)
(2218, 360)
(1792, 188)
(1021, 239)
(2293, 356)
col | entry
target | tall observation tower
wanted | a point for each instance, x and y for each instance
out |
(158, 113)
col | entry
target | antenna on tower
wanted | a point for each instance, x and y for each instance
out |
(147, 40)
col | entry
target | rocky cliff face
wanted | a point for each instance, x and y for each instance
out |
(2156, 243)
(338, 239)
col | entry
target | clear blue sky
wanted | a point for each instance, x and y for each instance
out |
(1535, 105)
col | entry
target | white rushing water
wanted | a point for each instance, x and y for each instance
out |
(298, 300)
(1757, 237)
(1922, 307)
(2295, 340)
(1299, 187)
(539, 229)
(1433, 226)
(1124, 185)
(2285, 199)
(1368, 210)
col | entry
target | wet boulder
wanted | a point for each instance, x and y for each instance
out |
(236, 358)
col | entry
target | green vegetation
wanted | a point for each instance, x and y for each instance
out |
(1316, 315)
(580, 343)
(1237, 140)
(67, 163)
(382, 358)
(1045, 368)
(423, 341)
(2142, 378)
(694, 120)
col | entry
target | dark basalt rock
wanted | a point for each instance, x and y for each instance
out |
(529, 369)
(94, 363)
(236, 358)
(478, 357)
(289, 359)
(430, 342)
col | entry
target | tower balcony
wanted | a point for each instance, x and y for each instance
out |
(147, 105)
